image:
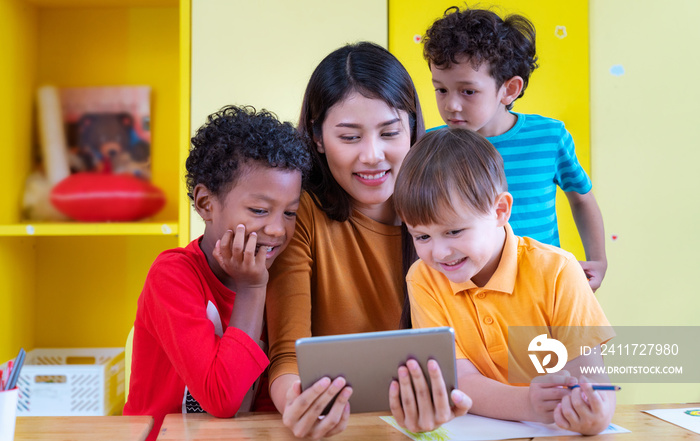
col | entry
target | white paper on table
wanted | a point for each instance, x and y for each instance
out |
(474, 427)
(688, 418)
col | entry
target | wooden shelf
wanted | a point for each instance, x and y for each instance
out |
(91, 229)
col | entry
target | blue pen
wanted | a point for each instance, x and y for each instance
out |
(14, 375)
(599, 387)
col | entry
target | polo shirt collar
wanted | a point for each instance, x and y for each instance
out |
(503, 279)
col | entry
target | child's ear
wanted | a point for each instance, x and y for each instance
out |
(203, 201)
(503, 205)
(511, 90)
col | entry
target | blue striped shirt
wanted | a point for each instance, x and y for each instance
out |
(538, 155)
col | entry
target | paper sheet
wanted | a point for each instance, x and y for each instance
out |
(688, 418)
(474, 427)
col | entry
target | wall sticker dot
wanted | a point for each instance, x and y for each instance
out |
(560, 31)
(417, 38)
(617, 70)
(613, 237)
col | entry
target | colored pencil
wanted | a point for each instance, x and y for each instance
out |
(14, 375)
(599, 387)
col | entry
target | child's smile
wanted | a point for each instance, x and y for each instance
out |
(466, 246)
(453, 265)
(271, 251)
(265, 201)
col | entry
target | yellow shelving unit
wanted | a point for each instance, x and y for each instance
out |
(71, 284)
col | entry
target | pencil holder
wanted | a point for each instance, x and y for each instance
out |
(8, 413)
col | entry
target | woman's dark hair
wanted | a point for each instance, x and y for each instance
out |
(373, 72)
(506, 45)
(234, 135)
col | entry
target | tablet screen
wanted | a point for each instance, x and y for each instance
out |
(369, 361)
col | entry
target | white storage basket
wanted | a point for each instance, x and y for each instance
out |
(71, 382)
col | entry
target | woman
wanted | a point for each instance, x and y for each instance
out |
(344, 270)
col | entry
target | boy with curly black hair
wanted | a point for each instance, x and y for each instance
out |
(197, 335)
(480, 64)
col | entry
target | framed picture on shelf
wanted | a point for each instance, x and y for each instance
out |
(108, 129)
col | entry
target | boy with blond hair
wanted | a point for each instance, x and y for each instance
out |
(475, 275)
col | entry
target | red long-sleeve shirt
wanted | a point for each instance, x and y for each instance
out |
(182, 342)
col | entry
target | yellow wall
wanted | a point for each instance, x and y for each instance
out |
(97, 300)
(17, 318)
(558, 88)
(263, 53)
(645, 157)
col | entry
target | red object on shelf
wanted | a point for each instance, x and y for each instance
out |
(102, 197)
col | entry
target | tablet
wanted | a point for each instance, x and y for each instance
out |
(369, 361)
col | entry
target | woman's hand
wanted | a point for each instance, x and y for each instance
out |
(302, 412)
(419, 408)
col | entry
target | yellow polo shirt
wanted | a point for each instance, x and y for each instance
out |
(535, 285)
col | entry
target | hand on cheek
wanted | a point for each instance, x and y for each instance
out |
(237, 257)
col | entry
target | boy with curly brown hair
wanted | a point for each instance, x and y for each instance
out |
(480, 64)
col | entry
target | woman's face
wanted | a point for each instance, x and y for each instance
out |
(365, 142)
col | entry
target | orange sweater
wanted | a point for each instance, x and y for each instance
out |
(334, 278)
